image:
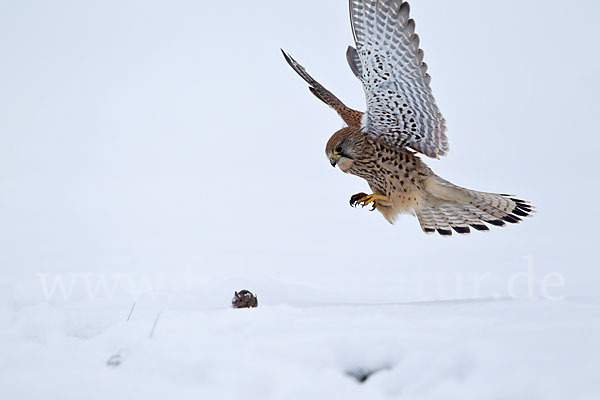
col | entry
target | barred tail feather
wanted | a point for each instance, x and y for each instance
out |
(455, 208)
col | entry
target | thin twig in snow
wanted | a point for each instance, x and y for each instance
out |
(154, 326)
(130, 311)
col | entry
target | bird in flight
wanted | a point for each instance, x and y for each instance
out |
(402, 119)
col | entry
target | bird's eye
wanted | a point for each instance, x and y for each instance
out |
(338, 150)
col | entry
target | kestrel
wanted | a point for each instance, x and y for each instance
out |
(402, 119)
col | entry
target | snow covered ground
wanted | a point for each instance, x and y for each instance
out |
(163, 154)
(309, 338)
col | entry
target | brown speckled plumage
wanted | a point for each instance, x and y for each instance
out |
(402, 118)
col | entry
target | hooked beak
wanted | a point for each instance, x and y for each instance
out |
(333, 160)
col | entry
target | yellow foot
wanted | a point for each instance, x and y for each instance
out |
(364, 199)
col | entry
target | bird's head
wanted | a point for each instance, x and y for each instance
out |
(344, 147)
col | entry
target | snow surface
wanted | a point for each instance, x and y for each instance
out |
(303, 341)
(163, 154)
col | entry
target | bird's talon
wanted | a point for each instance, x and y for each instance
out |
(355, 199)
(363, 200)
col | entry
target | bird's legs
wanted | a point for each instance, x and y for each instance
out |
(364, 199)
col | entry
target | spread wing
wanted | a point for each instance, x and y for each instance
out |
(350, 116)
(401, 109)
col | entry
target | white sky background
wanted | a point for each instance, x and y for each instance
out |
(172, 136)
